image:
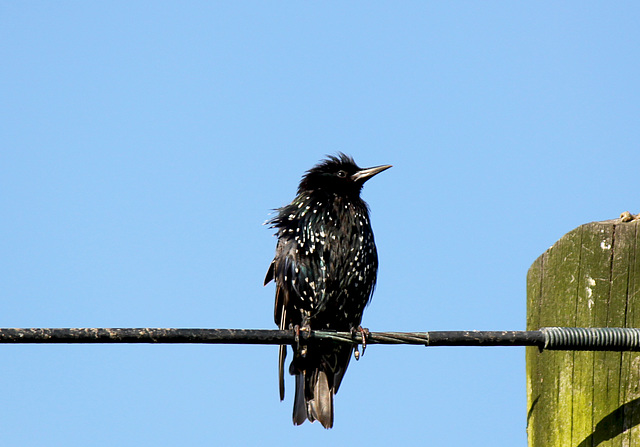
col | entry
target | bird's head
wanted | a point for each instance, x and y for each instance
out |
(338, 174)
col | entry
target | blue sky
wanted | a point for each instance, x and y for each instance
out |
(144, 144)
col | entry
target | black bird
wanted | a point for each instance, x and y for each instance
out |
(325, 271)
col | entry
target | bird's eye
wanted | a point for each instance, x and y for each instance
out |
(342, 174)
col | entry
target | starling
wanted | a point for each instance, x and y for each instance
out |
(325, 271)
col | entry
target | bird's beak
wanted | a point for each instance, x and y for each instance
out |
(365, 174)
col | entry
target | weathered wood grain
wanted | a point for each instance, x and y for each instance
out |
(589, 278)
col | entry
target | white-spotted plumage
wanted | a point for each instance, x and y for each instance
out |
(325, 272)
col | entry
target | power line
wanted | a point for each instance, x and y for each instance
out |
(585, 339)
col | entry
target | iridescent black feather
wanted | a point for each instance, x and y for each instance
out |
(325, 272)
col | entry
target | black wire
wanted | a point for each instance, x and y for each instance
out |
(586, 339)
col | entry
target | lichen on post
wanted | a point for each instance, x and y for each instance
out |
(589, 278)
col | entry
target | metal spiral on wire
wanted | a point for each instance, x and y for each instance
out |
(591, 339)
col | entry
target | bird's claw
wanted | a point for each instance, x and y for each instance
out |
(296, 330)
(364, 333)
(296, 336)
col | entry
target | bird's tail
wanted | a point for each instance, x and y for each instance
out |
(317, 380)
(320, 406)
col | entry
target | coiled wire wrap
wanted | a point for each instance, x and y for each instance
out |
(591, 339)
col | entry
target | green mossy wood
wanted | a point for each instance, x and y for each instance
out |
(589, 278)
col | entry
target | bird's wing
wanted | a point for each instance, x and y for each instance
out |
(284, 270)
(281, 270)
(277, 272)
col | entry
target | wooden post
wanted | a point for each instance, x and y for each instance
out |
(589, 278)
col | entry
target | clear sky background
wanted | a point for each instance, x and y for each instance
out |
(145, 143)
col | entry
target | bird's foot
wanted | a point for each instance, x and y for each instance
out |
(302, 350)
(628, 217)
(364, 333)
(296, 333)
(296, 336)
